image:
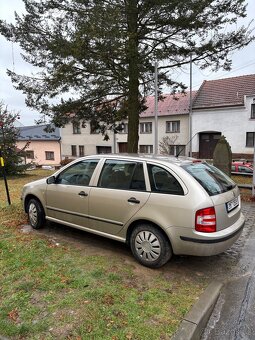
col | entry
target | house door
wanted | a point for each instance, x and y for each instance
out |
(207, 143)
(122, 147)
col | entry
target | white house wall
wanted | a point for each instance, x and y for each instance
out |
(91, 141)
(232, 122)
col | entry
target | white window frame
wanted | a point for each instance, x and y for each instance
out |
(173, 126)
(125, 128)
(148, 149)
(176, 149)
(253, 111)
(76, 128)
(146, 127)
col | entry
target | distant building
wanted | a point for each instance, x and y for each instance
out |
(43, 148)
(173, 121)
(225, 107)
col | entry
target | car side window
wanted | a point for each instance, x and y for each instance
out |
(162, 181)
(244, 169)
(125, 175)
(78, 174)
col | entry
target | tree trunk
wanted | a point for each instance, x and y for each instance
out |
(133, 86)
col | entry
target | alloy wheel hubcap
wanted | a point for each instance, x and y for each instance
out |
(147, 246)
(33, 214)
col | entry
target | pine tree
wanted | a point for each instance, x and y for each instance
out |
(96, 58)
(8, 138)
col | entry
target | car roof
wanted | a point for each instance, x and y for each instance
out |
(146, 157)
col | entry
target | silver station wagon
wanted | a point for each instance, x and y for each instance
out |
(158, 205)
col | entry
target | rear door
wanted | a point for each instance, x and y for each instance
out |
(119, 195)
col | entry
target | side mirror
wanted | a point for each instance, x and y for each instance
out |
(51, 180)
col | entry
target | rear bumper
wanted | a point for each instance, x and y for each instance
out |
(191, 242)
(211, 241)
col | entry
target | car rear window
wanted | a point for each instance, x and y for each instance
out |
(213, 180)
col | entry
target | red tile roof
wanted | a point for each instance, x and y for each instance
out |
(177, 104)
(224, 92)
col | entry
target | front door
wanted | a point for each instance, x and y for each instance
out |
(207, 143)
(67, 199)
(122, 147)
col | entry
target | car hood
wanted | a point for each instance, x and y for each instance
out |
(35, 183)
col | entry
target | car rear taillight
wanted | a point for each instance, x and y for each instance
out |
(206, 220)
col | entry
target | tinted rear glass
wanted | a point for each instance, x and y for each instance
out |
(211, 178)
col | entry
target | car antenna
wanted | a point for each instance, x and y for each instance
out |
(178, 154)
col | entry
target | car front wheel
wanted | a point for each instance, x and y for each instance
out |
(36, 214)
(150, 246)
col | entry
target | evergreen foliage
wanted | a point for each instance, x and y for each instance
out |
(96, 58)
(8, 138)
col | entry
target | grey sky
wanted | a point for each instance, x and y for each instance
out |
(243, 63)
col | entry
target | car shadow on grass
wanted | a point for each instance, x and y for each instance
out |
(186, 267)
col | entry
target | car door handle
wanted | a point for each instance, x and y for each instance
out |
(133, 200)
(82, 193)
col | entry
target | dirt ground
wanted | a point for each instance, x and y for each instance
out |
(214, 267)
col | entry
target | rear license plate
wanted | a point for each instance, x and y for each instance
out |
(231, 205)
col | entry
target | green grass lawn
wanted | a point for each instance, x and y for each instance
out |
(51, 291)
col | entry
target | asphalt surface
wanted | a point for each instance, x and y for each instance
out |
(234, 314)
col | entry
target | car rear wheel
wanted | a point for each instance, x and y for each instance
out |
(150, 246)
(36, 214)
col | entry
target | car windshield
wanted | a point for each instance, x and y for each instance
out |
(213, 180)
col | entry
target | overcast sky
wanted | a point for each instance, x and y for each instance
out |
(243, 63)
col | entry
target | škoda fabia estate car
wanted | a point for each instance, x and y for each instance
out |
(158, 205)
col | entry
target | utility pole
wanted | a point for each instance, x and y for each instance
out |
(190, 107)
(156, 109)
(114, 139)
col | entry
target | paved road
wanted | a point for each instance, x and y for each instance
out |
(233, 317)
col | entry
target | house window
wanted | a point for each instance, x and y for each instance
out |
(81, 150)
(253, 111)
(30, 154)
(173, 126)
(49, 155)
(250, 137)
(104, 149)
(177, 150)
(124, 128)
(146, 127)
(76, 128)
(94, 127)
(74, 150)
(146, 148)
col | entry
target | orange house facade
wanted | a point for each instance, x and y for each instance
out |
(43, 148)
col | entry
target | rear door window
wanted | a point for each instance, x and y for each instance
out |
(162, 181)
(213, 180)
(126, 175)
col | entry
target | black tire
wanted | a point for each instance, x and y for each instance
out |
(150, 246)
(36, 214)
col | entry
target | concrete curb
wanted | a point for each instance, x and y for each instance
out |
(194, 322)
